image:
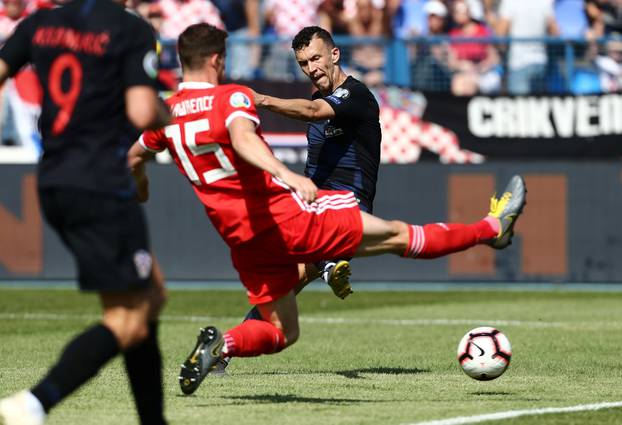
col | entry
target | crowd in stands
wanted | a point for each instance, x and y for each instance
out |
(442, 51)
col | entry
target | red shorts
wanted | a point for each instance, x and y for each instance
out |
(268, 263)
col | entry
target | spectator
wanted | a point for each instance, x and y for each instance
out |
(407, 17)
(605, 15)
(12, 14)
(430, 68)
(242, 18)
(365, 19)
(474, 65)
(179, 14)
(609, 67)
(287, 18)
(526, 60)
(572, 20)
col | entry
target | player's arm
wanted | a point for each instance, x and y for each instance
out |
(253, 150)
(139, 70)
(300, 109)
(15, 52)
(144, 108)
(4, 71)
(137, 157)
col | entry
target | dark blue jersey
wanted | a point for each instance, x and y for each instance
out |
(86, 54)
(344, 152)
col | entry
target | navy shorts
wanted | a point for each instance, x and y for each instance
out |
(107, 236)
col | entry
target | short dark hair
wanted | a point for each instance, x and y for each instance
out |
(198, 42)
(304, 37)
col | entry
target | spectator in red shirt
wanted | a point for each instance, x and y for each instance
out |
(474, 65)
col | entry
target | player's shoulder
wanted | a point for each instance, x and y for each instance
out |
(352, 85)
(232, 88)
(237, 95)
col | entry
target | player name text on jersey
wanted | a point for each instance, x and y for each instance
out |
(91, 43)
(192, 106)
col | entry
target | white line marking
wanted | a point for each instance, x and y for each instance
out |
(461, 420)
(336, 321)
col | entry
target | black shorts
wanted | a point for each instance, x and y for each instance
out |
(107, 236)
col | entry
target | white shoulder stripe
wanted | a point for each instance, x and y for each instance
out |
(241, 114)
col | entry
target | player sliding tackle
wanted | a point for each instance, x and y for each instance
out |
(273, 219)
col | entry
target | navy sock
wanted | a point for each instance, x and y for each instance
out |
(143, 364)
(79, 362)
(253, 314)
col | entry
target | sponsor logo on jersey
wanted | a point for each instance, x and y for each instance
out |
(341, 93)
(143, 263)
(150, 63)
(239, 100)
(330, 131)
(334, 99)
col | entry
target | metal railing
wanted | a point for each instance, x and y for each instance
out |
(570, 65)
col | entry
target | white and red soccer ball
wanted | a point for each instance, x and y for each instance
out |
(484, 353)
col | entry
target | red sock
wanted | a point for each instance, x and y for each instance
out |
(252, 338)
(437, 240)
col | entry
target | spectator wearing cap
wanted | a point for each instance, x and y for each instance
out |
(430, 69)
(526, 60)
(474, 65)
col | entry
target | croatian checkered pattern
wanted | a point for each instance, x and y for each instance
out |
(404, 135)
(290, 16)
(178, 15)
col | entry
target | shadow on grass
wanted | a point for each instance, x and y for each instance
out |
(351, 374)
(356, 373)
(291, 398)
(489, 393)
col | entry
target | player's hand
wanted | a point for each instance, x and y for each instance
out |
(142, 182)
(303, 186)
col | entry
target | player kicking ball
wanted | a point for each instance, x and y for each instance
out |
(274, 220)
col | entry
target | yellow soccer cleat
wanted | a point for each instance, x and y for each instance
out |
(338, 278)
(507, 209)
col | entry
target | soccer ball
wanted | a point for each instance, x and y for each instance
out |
(484, 353)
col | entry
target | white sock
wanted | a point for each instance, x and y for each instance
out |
(327, 268)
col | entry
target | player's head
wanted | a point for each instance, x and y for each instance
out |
(202, 45)
(318, 57)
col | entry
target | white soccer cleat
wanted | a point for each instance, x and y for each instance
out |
(22, 408)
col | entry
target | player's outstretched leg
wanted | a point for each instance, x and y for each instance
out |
(507, 208)
(440, 239)
(201, 360)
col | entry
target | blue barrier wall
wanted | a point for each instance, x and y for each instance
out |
(569, 233)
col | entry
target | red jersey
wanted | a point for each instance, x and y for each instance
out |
(240, 199)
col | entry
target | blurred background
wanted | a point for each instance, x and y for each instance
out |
(471, 92)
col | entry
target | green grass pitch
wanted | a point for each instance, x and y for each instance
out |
(375, 358)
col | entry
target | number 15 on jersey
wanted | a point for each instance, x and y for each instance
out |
(191, 129)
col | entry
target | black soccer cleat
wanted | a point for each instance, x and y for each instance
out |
(201, 360)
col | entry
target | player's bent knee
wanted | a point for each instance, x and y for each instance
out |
(291, 336)
(129, 329)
